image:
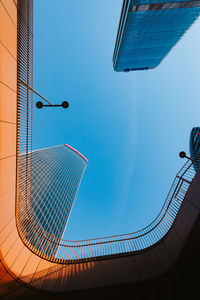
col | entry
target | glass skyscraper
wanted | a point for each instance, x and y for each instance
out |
(148, 29)
(56, 176)
(195, 146)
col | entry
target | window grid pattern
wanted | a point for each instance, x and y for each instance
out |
(149, 35)
(56, 176)
(195, 146)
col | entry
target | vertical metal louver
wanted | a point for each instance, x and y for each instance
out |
(24, 111)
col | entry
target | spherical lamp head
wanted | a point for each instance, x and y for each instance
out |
(65, 104)
(182, 154)
(39, 104)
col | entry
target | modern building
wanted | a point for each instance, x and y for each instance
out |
(168, 269)
(148, 29)
(56, 176)
(195, 145)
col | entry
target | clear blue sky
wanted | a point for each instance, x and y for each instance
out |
(130, 126)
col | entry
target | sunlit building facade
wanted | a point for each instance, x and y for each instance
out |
(56, 176)
(148, 29)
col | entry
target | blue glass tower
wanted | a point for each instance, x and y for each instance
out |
(148, 29)
(56, 176)
(195, 146)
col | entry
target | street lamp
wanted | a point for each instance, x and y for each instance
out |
(64, 104)
(182, 154)
(39, 104)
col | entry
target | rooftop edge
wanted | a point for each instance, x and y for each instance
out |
(70, 147)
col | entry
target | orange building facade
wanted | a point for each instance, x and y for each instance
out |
(8, 114)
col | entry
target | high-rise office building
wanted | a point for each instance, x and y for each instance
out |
(195, 146)
(148, 29)
(56, 175)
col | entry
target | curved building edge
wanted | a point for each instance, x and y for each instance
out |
(38, 273)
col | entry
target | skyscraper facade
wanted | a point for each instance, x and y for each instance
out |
(148, 29)
(56, 176)
(195, 146)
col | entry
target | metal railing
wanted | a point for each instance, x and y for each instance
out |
(124, 244)
(27, 225)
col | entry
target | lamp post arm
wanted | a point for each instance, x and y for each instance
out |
(182, 154)
(30, 88)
